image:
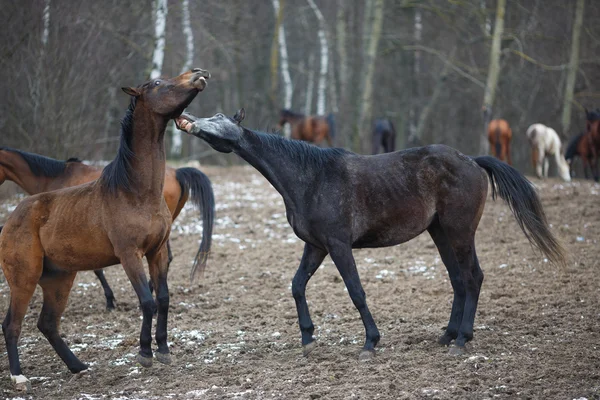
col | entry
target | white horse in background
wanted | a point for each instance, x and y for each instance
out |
(545, 143)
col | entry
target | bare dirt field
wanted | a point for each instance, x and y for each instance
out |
(234, 334)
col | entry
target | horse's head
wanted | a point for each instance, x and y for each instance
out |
(592, 122)
(220, 132)
(169, 97)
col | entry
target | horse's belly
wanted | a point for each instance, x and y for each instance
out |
(388, 237)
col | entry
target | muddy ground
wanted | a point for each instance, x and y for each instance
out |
(235, 334)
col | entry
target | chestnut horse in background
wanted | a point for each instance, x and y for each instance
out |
(499, 136)
(581, 145)
(37, 174)
(117, 219)
(312, 129)
(384, 135)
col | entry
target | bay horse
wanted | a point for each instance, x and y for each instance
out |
(337, 200)
(499, 136)
(119, 218)
(581, 145)
(593, 140)
(383, 135)
(35, 174)
(545, 142)
(310, 128)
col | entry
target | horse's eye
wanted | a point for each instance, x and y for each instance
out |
(157, 83)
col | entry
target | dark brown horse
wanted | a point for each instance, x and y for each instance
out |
(499, 136)
(310, 128)
(119, 218)
(383, 135)
(336, 200)
(581, 145)
(591, 146)
(37, 174)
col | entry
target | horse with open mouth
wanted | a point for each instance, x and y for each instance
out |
(118, 218)
(337, 200)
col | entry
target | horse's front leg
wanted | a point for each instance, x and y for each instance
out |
(108, 293)
(311, 259)
(341, 254)
(132, 263)
(158, 264)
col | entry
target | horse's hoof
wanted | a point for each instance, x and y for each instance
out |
(445, 340)
(366, 355)
(308, 348)
(145, 362)
(21, 383)
(457, 350)
(164, 358)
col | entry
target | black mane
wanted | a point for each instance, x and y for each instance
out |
(117, 174)
(298, 151)
(289, 113)
(593, 115)
(74, 159)
(571, 151)
(40, 165)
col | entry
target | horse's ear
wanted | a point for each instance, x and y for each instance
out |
(587, 113)
(239, 115)
(131, 91)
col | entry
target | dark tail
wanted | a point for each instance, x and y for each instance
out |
(1, 228)
(193, 180)
(331, 123)
(498, 144)
(525, 205)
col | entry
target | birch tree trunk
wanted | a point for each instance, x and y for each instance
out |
(285, 66)
(160, 23)
(36, 86)
(275, 51)
(343, 71)
(493, 75)
(322, 86)
(573, 67)
(415, 108)
(188, 34)
(310, 84)
(369, 59)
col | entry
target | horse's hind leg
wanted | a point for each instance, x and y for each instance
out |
(158, 265)
(311, 259)
(108, 293)
(56, 287)
(449, 259)
(341, 254)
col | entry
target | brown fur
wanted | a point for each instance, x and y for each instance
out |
(312, 129)
(52, 235)
(499, 132)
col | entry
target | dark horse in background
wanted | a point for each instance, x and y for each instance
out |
(581, 146)
(336, 200)
(309, 128)
(37, 174)
(384, 135)
(499, 137)
(117, 219)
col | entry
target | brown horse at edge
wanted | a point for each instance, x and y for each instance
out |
(119, 218)
(37, 174)
(499, 136)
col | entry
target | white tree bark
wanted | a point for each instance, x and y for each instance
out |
(487, 22)
(310, 84)
(36, 85)
(573, 66)
(376, 21)
(285, 69)
(322, 86)
(414, 112)
(160, 24)
(176, 140)
(493, 74)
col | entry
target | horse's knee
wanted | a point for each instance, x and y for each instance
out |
(298, 288)
(148, 306)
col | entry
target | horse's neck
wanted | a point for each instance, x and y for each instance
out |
(15, 168)
(147, 144)
(289, 179)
